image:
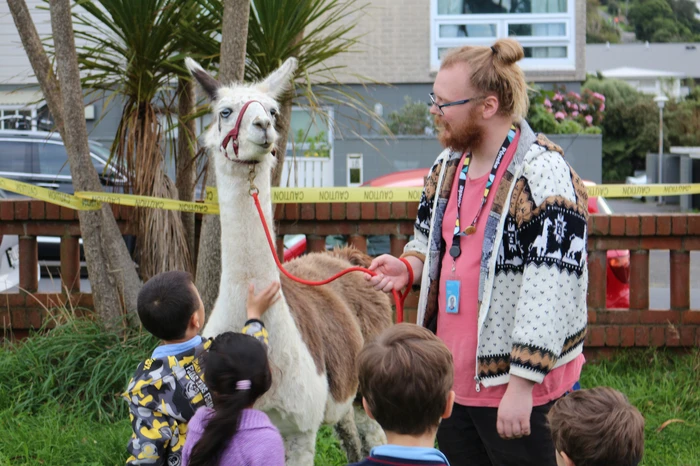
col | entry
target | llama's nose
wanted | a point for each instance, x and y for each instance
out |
(261, 123)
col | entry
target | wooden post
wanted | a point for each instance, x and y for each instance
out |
(358, 242)
(28, 263)
(597, 276)
(70, 263)
(639, 279)
(680, 280)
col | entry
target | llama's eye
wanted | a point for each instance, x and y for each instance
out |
(225, 113)
(273, 112)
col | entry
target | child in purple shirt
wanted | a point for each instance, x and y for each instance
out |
(233, 433)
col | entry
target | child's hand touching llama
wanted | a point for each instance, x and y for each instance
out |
(258, 304)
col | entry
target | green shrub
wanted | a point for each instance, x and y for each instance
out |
(413, 118)
(682, 120)
(593, 130)
(561, 112)
(542, 121)
(79, 363)
(569, 127)
(630, 128)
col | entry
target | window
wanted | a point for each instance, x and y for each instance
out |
(543, 27)
(310, 133)
(16, 119)
(53, 159)
(15, 156)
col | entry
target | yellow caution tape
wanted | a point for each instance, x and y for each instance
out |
(48, 195)
(643, 190)
(323, 195)
(149, 202)
(344, 195)
(92, 200)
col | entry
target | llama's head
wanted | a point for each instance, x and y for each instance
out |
(243, 125)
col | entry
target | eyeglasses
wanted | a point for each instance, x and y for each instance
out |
(433, 101)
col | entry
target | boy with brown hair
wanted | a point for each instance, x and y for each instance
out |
(597, 427)
(406, 378)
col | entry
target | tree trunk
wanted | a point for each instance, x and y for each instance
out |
(113, 277)
(282, 126)
(209, 256)
(38, 59)
(186, 168)
(234, 38)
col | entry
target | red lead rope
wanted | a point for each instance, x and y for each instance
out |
(399, 298)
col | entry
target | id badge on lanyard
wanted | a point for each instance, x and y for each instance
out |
(452, 296)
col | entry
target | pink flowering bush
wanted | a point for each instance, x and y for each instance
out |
(586, 109)
(556, 111)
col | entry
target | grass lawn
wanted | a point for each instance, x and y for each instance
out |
(663, 386)
(49, 414)
(55, 437)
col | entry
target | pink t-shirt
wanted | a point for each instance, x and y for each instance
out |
(460, 331)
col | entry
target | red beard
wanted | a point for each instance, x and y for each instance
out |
(462, 137)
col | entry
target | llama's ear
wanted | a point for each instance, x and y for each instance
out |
(280, 80)
(207, 81)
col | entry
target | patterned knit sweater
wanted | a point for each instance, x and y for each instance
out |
(534, 273)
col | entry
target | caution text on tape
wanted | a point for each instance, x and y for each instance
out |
(149, 202)
(323, 195)
(648, 190)
(48, 195)
(92, 200)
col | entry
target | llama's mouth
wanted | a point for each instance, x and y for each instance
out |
(266, 146)
(245, 162)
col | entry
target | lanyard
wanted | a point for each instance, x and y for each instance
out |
(455, 250)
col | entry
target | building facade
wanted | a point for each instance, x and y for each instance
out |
(401, 43)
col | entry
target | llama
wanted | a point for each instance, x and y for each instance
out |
(540, 243)
(315, 332)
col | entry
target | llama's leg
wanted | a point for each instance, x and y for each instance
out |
(371, 434)
(300, 448)
(349, 438)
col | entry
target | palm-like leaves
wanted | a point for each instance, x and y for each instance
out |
(314, 31)
(131, 47)
(135, 48)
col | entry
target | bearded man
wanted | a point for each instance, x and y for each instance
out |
(497, 218)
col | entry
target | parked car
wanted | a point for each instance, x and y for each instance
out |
(294, 246)
(40, 158)
(618, 288)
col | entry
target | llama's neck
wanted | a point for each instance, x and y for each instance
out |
(247, 258)
(245, 252)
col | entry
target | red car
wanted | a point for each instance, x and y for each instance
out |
(294, 246)
(618, 288)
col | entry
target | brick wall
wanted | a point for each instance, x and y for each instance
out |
(638, 326)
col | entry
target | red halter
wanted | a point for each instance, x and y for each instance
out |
(233, 134)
